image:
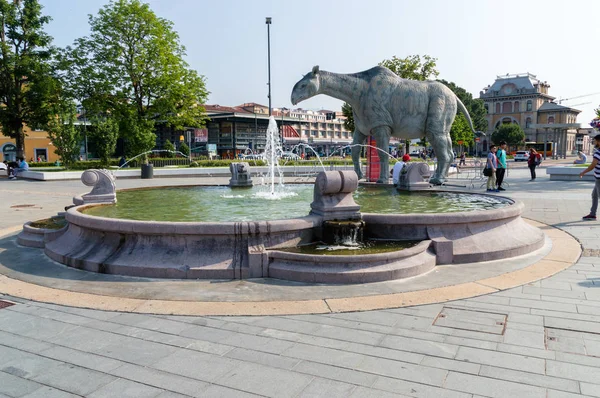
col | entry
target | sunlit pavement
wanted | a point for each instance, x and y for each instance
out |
(537, 340)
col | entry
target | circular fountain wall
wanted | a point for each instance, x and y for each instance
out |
(250, 243)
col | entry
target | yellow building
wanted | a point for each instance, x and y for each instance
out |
(37, 146)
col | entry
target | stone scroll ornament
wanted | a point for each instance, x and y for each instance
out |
(240, 175)
(385, 105)
(332, 198)
(104, 190)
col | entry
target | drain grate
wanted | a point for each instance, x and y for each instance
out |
(472, 320)
(4, 304)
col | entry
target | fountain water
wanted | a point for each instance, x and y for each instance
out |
(273, 152)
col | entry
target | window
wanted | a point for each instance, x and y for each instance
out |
(41, 155)
(507, 107)
(528, 123)
(529, 106)
(487, 108)
(517, 109)
(497, 107)
(550, 119)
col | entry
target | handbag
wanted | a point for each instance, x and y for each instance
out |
(487, 172)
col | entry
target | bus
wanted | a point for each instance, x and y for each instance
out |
(539, 147)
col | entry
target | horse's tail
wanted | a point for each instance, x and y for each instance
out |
(464, 111)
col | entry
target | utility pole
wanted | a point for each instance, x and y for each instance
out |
(268, 22)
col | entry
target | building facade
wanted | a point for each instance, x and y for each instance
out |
(37, 146)
(242, 129)
(523, 99)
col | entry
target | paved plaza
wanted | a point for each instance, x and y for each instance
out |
(541, 339)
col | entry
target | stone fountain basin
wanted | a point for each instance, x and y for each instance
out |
(239, 250)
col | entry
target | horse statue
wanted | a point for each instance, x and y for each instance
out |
(386, 105)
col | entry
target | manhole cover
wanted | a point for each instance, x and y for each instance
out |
(4, 304)
(475, 321)
(572, 341)
(21, 206)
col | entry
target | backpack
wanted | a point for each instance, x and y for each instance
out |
(538, 160)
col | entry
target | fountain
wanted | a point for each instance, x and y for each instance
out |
(263, 247)
(245, 236)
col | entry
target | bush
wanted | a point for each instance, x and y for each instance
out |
(41, 164)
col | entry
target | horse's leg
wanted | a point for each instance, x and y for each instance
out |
(382, 140)
(358, 140)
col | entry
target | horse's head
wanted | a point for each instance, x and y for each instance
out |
(307, 87)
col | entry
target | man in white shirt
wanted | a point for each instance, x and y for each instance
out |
(398, 169)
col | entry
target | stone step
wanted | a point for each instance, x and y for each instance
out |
(363, 272)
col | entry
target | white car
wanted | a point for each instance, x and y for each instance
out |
(290, 156)
(522, 156)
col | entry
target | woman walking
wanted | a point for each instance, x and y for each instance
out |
(533, 162)
(492, 163)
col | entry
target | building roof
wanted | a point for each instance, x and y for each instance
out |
(247, 104)
(224, 109)
(553, 106)
(520, 80)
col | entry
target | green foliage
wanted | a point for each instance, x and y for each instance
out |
(104, 134)
(184, 148)
(476, 111)
(411, 67)
(169, 150)
(25, 53)
(460, 131)
(139, 136)
(347, 111)
(132, 67)
(62, 132)
(512, 133)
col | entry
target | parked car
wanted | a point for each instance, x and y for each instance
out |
(253, 156)
(290, 156)
(521, 156)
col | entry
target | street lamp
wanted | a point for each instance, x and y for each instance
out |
(268, 22)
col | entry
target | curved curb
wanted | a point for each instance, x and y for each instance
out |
(565, 252)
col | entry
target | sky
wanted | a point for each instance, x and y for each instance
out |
(473, 40)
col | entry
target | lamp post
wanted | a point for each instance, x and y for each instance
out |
(268, 22)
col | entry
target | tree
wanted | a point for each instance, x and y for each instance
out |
(104, 135)
(63, 133)
(169, 149)
(411, 67)
(512, 133)
(184, 149)
(132, 67)
(25, 52)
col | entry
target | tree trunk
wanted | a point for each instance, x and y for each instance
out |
(20, 141)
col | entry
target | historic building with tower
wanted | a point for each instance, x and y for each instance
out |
(524, 99)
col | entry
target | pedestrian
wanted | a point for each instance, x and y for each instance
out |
(534, 160)
(22, 166)
(501, 170)
(492, 163)
(581, 158)
(398, 169)
(596, 167)
(463, 159)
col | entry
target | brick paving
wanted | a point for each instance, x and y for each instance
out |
(537, 340)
